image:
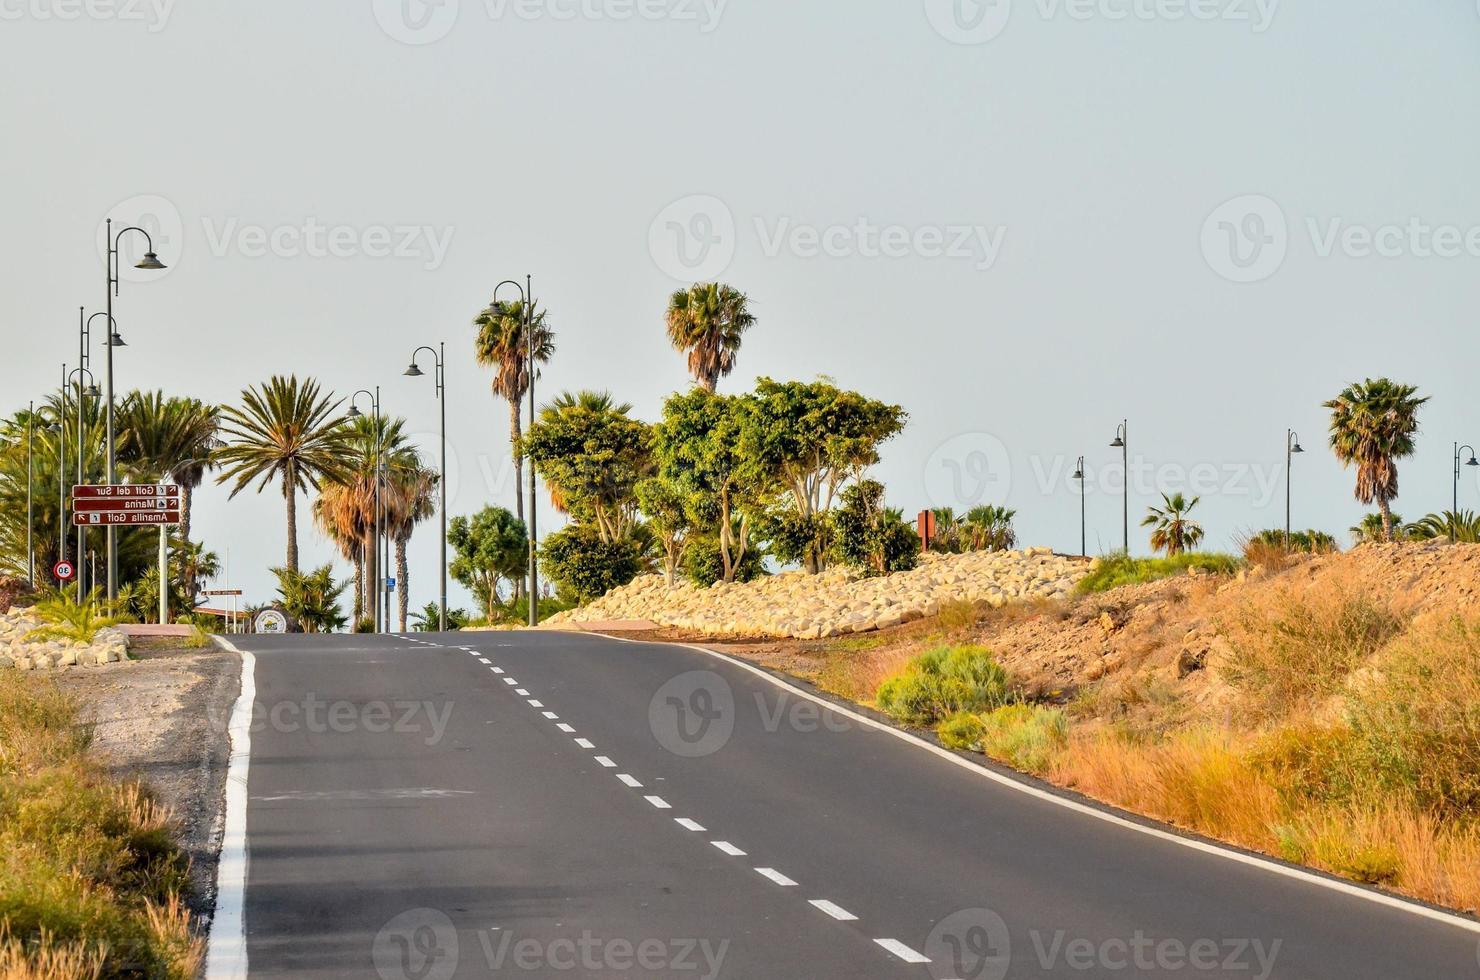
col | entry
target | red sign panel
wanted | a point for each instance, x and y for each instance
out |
(126, 518)
(64, 571)
(128, 490)
(116, 505)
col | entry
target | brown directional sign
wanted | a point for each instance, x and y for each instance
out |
(130, 518)
(122, 490)
(220, 592)
(118, 505)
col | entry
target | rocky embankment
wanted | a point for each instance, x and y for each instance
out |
(838, 601)
(18, 651)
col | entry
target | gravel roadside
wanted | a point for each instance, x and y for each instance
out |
(162, 718)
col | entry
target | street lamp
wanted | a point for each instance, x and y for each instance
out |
(84, 358)
(440, 354)
(1292, 446)
(151, 262)
(526, 296)
(1458, 450)
(1122, 442)
(1083, 525)
(375, 565)
(30, 503)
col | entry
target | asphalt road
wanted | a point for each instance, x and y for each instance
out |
(545, 804)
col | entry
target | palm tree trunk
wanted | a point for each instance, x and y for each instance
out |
(515, 433)
(290, 497)
(1387, 518)
(403, 590)
(185, 498)
(359, 591)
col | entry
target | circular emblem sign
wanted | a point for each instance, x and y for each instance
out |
(270, 621)
(64, 571)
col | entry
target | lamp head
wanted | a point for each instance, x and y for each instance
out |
(1473, 461)
(150, 261)
(414, 372)
(354, 412)
(1296, 448)
(92, 392)
(115, 339)
(1119, 443)
(1079, 474)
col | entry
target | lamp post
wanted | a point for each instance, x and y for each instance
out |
(374, 558)
(30, 502)
(84, 354)
(1292, 446)
(150, 261)
(91, 391)
(526, 296)
(1458, 451)
(1083, 524)
(440, 354)
(1122, 442)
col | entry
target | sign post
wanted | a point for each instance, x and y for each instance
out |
(133, 505)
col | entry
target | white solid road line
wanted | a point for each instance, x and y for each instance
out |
(226, 949)
(688, 824)
(776, 876)
(728, 848)
(629, 781)
(902, 951)
(605, 762)
(841, 914)
(658, 802)
(1019, 785)
(585, 743)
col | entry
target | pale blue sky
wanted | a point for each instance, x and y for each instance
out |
(1090, 151)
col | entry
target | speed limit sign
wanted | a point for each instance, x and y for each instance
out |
(64, 571)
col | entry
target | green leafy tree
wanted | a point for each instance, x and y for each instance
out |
(871, 536)
(175, 437)
(703, 444)
(490, 548)
(286, 431)
(429, 618)
(989, 528)
(586, 566)
(808, 438)
(1371, 528)
(501, 345)
(592, 455)
(1372, 427)
(707, 322)
(1173, 531)
(666, 507)
(312, 598)
(1313, 541)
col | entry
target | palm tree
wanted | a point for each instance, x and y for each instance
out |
(175, 437)
(1370, 530)
(707, 321)
(1372, 425)
(412, 498)
(501, 345)
(989, 528)
(286, 430)
(1458, 528)
(1174, 532)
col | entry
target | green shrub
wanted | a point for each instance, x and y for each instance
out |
(942, 682)
(962, 731)
(703, 566)
(1026, 737)
(66, 618)
(871, 536)
(584, 567)
(1120, 569)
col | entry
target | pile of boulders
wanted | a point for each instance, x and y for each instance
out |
(838, 601)
(20, 651)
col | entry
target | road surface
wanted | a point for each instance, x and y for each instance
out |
(547, 804)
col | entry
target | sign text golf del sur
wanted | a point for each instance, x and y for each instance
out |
(129, 504)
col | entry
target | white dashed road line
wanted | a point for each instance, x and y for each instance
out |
(776, 876)
(728, 848)
(659, 802)
(567, 729)
(902, 951)
(585, 743)
(841, 914)
(629, 781)
(605, 762)
(688, 824)
(511, 682)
